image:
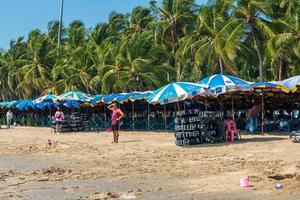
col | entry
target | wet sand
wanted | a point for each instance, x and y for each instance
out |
(38, 164)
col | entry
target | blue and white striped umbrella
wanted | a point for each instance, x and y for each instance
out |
(219, 84)
(75, 96)
(174, 92)
(47, 98)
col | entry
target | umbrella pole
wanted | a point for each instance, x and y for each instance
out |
(178, 107)
(232, 113)
(165, 117)
(246, 98)
(50, 120)
(148, 120)
(222, 107)
(262, 114)
(104, 113)
(133, 127)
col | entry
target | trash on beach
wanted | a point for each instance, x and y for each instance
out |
(245, 182)
(279, 186)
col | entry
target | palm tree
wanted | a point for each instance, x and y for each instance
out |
(213, 39)
(251, 16)
(12, 61)
(283, 48)
(134, 68)
(39, 64)
(177, 18)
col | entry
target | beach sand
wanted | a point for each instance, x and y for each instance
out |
(38, 164)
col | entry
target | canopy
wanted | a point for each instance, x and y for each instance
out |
(174, 92)
(75, 96)
(291, 83)
(219, 84)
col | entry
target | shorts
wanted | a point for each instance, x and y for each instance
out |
(115, 127)
(8, 121)
(58, 122)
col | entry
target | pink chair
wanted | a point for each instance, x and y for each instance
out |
(231, 130)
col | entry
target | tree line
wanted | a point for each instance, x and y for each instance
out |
(176, 40)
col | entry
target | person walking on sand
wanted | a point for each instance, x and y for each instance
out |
(116, 116)
(59, 117)
(9, 117)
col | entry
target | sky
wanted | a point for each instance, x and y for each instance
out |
(19, 17)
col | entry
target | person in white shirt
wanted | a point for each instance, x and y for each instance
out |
(9, 117)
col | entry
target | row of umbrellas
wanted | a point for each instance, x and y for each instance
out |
(216, 85)
(173, 92)
(73, 100)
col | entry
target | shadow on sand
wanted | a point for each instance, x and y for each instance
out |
(238, 142)
(128, 141)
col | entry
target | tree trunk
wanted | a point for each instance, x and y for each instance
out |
(221, 66)
(282, 71)
(258, 51)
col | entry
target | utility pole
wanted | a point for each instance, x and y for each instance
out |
(60, 22)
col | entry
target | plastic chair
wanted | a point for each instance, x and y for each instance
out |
(231, 131)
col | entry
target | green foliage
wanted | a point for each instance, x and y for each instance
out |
(150, 47)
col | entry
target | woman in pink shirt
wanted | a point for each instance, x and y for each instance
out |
(59, 118)
(116, 116)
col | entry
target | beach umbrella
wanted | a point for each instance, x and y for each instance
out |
(47, 98)
(75, 96)
(107, 99)
(264, 87)
(31, 106)
(140, 95)
(49, 105)
(291, 83)
(97, 99)
(72, 104)
(123, 97)
(8, 104)
(267, 86)
(175, 92)
(23, 105)
(14, 103)
(47, 101)
(219, 84)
